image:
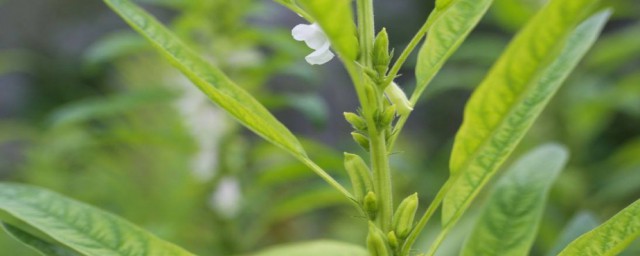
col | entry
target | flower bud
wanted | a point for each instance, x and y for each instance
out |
(354, 164)
(388, 115)
(393, 240)
(362, 140)
(398, 98)
(403, 218)
(370, 205)
(356, 121)
(381, 57)
(375, 242)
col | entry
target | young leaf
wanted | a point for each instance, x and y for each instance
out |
(217, 86)
(509, 221)
(315, 248)
(610, 238)
(514, 93)
(74, 226)
(452, 23)
(335, 17)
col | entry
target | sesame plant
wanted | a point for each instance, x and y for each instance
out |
(497, 116)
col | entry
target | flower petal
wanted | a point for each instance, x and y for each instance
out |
(320, 56)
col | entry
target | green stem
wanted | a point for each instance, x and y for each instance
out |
(366, 30)
(325, 176)
(381, 177)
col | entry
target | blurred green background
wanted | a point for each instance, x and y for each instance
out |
(89, 110)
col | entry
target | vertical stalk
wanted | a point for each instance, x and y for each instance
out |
(381, 177)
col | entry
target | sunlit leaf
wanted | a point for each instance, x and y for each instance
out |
(516, 90)
(315, 248)
(75, 226)
(610, 238)
(510, 219)
(217, 86)
(450, 28)
(335, 17)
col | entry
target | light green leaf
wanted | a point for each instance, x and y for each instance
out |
(37, 244)
(516, 90)
(335, 17)
(580, 224)
(75, 226)
(315, 248)
(610, 238)
(450, 28)
(220, 89)
(510, 219)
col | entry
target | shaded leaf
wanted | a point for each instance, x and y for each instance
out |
(37, 244)
(610, 238)
(510, 219)
(55, 219)
(516, 90)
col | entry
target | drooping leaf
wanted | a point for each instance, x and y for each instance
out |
(580, 224)
(335, 17)
(450, 28)
(55, 219)
(516, 90)
(42, 246)
(315, 248)
(610, 238)
(216, 85)
(510, 219)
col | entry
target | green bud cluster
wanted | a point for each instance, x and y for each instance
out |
(359, 124)
(370, 205)
(381, 58)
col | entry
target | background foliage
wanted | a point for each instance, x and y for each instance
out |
(87, 109)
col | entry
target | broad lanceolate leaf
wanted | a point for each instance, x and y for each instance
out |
(335, 17)
(452, 23)
(509, 221)
(218, 87)
(74, 226)
(516, 90)
(315, 248)
(610, 238)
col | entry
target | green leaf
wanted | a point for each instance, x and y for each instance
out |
(75, 226)
(510, 219)
(217, 86)
(450, 28)
(335, 17)
(610, 238)
(42, 246)
(516, 90)
(580, 224)
(315, 248)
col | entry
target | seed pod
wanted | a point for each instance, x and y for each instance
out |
(354, 163)
(356, 121)
(375, 241)
(403, 218)
(381, 56)
(362, 140)
(393, 240)
(370, 205)
(398, 98)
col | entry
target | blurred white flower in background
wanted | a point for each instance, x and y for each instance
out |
(315, 38)
(226, 199)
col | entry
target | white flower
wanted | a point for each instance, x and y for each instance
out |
(227, 198)
(398, 98)
(315, 38)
